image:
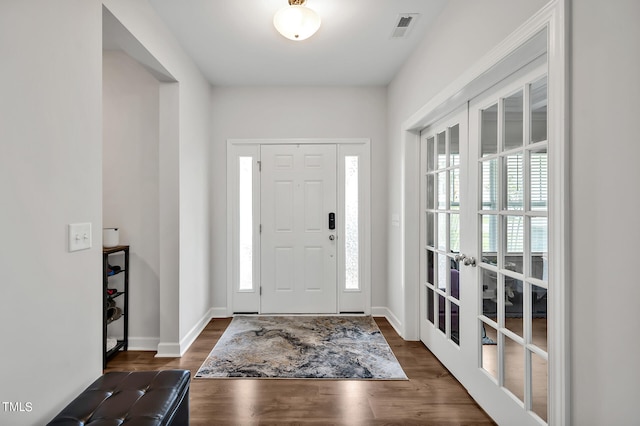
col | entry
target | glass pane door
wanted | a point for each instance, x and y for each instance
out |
(510, 153)
(444, 154)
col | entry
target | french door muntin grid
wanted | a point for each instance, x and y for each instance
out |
(442, 216)
(520, 207)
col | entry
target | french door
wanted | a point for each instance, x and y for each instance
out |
(444, 151)
(298, 238)
(484, 265)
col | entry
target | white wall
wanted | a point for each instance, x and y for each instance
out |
(605, 200)
(299, 112)
(130, 186)
(187, 256)
(463, 34)
(50, 176)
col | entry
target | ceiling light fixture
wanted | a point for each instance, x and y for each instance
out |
(296, 21)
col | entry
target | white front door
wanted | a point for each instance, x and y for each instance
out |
(298, 248)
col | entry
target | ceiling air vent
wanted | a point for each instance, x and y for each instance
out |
(403, 25)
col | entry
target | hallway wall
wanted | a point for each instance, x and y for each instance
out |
(130, 186)
(298, 112)
(50, 176)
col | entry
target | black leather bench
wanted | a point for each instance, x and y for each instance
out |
(140, 398)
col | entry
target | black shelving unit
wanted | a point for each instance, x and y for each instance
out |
(122, 294)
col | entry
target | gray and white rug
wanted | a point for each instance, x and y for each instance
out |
(325, 347)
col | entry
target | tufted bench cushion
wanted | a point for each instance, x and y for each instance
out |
(140, 398)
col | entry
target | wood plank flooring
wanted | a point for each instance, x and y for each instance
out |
(431, 396)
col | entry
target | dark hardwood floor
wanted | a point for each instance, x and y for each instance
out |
(431, 396)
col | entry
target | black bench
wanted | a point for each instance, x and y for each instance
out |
(140, 398)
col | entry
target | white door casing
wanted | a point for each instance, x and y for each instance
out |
(352, 242)
(298, 250)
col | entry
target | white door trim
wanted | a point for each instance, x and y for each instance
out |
(249, 300)
(520, 48)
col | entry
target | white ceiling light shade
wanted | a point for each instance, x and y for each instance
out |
(296, 21)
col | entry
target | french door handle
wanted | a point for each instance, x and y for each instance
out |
(466, 260)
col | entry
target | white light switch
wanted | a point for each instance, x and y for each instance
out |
(79, 236)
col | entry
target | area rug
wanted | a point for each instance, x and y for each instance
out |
(297, 347)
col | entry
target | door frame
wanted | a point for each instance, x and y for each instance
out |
(544, 33)
(347, 301)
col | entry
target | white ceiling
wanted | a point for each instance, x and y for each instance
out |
(234, 42)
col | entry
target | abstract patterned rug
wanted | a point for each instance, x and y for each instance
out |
(324, 347)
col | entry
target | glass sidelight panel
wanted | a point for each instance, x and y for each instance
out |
(513, 121)
(351, 231)
(489, 131)
(245, 228)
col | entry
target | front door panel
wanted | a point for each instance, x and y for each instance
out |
(298, 250)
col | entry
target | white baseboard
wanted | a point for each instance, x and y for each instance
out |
(195, 331)
(168, 350)
(383, 311)
(219, 312)
(143, 343)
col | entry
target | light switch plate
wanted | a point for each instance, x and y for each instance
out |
(79, 236)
